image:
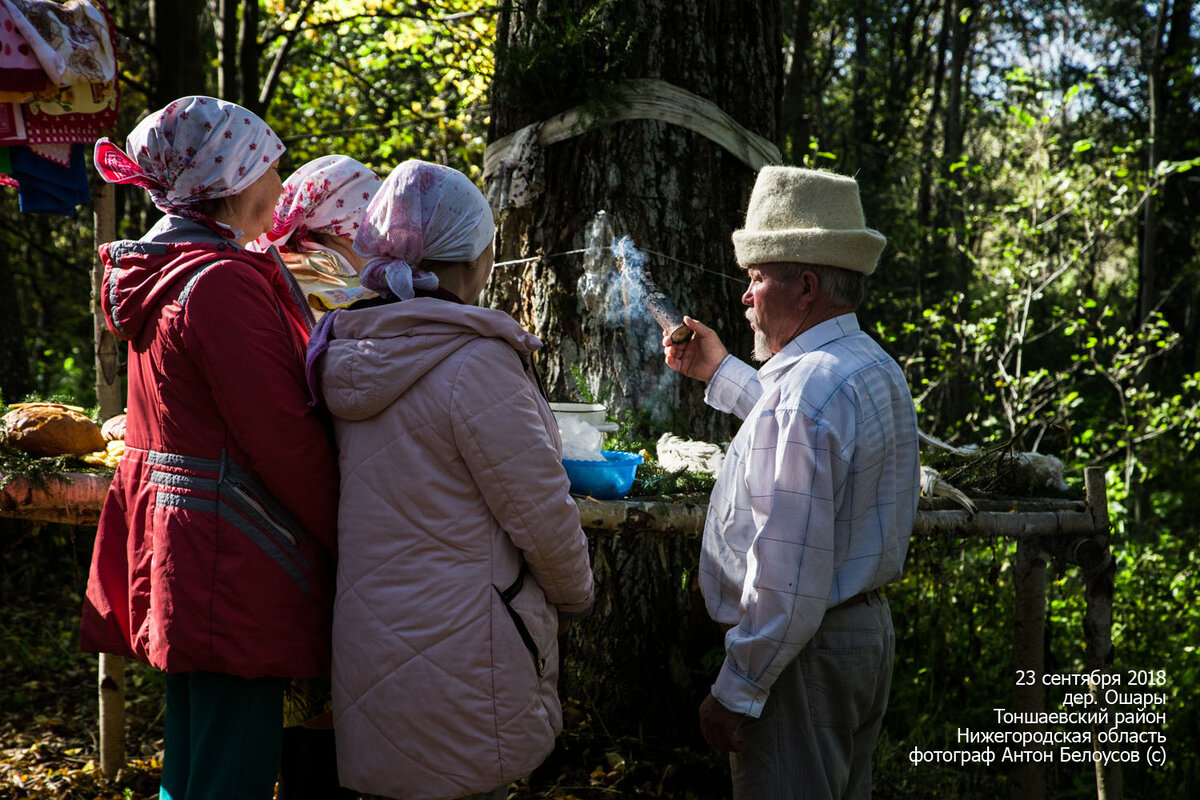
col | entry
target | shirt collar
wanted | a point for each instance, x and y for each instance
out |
(815, 337)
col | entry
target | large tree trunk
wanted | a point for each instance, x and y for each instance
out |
(15, 379)
(671, 189)
(179, 49)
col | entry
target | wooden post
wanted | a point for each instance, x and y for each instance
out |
(1097, 621)
(1029, 781)
(110, 397)
(110, 392)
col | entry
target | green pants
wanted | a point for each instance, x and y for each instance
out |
(221, 737)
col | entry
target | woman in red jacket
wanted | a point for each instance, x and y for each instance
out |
(213, 555)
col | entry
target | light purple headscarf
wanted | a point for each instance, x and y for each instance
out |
(422, 211)
(327, 195)
(197, 148)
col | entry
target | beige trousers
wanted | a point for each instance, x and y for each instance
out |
(816, 734)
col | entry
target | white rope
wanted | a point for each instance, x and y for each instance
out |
(531, 259)
(644, 99)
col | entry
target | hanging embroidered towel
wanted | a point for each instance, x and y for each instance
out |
(12, 124)
(72, 41)
(20, 72)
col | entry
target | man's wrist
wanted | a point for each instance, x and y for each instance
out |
(738, 693)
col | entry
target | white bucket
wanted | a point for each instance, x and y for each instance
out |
(592, 413)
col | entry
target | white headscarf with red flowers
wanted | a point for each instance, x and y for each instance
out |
(195, 149)
(326, 195)
(422, 211)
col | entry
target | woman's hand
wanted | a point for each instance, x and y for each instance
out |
(697, 357)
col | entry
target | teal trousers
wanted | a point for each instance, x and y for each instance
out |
(221, 737)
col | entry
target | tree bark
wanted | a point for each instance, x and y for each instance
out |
(16, 381)
(649, 642)
(227, 36)
(798, 95)
(179, 49)
(672, 190)
(249, 57)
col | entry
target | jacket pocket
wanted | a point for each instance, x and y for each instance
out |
(240, 500)
(244, 502)
(506, 597)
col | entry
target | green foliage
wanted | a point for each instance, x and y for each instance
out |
(1042, 348)
(385, 82)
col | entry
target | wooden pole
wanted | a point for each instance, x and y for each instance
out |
(1097, 621)
(1029, 782)
(110, 397)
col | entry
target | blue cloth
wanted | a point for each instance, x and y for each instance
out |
(222, 737)
(47, 187)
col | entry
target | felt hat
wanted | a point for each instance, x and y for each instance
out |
(807, 216)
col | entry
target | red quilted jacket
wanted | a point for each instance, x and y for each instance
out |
(216, 541)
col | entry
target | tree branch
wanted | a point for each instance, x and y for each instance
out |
(268, 87)
(459, 17)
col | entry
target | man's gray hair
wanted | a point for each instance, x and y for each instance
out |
(845, 287)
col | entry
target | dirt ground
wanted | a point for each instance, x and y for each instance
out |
(48, 705)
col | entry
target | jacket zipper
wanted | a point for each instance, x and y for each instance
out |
(253, 503)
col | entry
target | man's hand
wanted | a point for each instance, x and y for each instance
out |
(719, 725)
(699, 356)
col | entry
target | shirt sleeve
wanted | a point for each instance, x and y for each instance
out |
(793, 466)
(734, 387)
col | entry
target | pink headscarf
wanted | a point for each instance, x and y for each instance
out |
(328, 195)
(422, 211)
(197, 148)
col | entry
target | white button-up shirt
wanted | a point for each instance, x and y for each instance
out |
(814, 503)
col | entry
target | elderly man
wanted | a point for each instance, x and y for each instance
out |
(813, 508)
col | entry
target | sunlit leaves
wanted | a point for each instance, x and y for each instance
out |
(386, 81)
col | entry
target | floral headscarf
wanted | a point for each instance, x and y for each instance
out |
(195, 149)
(422, 211)
(326, 195)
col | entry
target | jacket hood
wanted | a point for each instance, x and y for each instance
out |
(139, 276)
(377, 354)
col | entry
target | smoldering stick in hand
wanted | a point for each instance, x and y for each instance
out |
(662, 308)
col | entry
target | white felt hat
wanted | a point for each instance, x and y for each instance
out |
(807, 216)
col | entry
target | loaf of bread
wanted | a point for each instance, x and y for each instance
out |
(114, 428)
(51, 429)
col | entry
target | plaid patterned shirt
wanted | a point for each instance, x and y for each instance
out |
(814, 503)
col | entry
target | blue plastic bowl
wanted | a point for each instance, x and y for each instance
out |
(610, 479)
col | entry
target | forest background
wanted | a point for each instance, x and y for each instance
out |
(1033, 165)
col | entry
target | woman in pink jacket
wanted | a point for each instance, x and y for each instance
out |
(462, 549)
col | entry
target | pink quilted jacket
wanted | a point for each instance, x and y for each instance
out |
(459, 544)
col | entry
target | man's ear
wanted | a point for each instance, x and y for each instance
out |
(808, 286)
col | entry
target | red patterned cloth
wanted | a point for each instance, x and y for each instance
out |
(20, 72)
(79, 50)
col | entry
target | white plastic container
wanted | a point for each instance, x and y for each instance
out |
(591, 413)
